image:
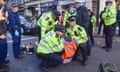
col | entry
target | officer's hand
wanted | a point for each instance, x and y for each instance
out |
(2, 36)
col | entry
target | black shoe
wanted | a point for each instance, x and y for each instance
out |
(19, 57)
(108, 49)
(4, 68)
(6, 62)
(104, 47)
(85, 63)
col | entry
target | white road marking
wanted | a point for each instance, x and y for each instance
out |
(24, 39)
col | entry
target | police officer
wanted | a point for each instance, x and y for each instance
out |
(79, 34)
(3, 41)
(109, 17)
(47, 21)
(71, 11)
(92, 24)
(15, 30)
(82, 19)
(50, 47)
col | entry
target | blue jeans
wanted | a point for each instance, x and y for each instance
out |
(3, 50)
(16, 42)
(50, 59)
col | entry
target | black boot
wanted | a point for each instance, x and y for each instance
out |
(85, 63)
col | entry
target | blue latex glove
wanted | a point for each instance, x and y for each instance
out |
(22, 30)
(75, 41)
(16, 33)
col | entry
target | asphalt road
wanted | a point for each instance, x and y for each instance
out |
(31, 64)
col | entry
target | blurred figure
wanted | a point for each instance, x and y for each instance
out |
(118, 18)
(109, 17)
(70, 12)
(3, 41)
(15, 30)
(82, 19)
(62, 18)
(92, 26)
(47, 21)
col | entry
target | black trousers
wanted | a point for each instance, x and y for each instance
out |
(109, 32)
(50, 59)
(91, 34)
(82, 48)
(100, 27)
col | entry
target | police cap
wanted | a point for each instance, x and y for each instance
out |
(72, 18)
(56, 13)
(60, 28)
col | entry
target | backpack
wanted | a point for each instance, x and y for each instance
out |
(107, 67)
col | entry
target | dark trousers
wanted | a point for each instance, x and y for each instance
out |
(119, 28)
(39, 36)
(50, 59)
(16, 42)
(91, 34)
(109, 32)
(100, 27)
(86, 26)
(3, 50)
(82, 48)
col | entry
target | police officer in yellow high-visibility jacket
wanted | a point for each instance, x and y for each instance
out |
(50, 47)
(109, 17)
(70, 12)
(79, 34)
(47, 22)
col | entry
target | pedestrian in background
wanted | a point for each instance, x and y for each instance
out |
(92, 24)
(15, 30)
(62, 18)
(82, 19)
(109, 17)
(101, 23)
(3, 41)
(118, 17)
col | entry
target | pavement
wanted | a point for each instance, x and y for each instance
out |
(30, 63)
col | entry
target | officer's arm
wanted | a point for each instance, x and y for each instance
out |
(104, 15)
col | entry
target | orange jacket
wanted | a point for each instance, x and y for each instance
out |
(69, 50)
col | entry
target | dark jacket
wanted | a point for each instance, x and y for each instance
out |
(82, 17)
(14, 20)
(3, 27)
(118, 15)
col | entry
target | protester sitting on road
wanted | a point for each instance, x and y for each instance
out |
(50, 48)
(69, 49)
(79, 34)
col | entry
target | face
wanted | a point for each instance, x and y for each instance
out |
(60, 33)
(109, 4)
(15, 9)
(2, 2)
(118, 7)
(72, 23)
(77, 6)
